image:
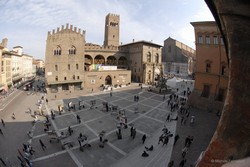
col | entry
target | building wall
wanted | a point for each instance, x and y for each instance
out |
(27, 66)
(142, 68)
(211, 76)
(64, 57)
(176, 54)
(97, 78)
(6, 72)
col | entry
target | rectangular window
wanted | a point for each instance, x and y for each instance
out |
(215, 39)
(200, 40)
(207, 39)
(65, 78)
(205, 91)
(221, 94)
(221, 41)
(77, 66)
(56, 67)
(208, 67)
(68, 66)
(223, 70)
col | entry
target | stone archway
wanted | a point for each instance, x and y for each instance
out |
(108, 80)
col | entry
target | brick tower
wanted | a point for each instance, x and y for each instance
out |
(112, 28)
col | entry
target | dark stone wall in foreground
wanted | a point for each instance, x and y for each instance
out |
(232, 136)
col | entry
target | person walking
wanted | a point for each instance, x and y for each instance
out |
(144, 138)
(3, 162)
(3, 123)
(182, 163)
(78, 119)
(1, 132)
(176, 138)
(42, 144)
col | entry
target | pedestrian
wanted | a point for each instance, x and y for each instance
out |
(192, 121)
(70, 130)
(176, 138)
(42, 144)
(144, 138)
(78, 119)
(171, 164)
(144, 154)
(13, 116)
(3, 122)
(110, 94)
(131, 131)
(160, 139)
(182, 163)
(1, 131)
(187, 141)
(3, 162)
(168, 118)
(184, 152)
(166, 139)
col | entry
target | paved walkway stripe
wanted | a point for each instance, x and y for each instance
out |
(75, 159)
(117, 149)
(49, 156)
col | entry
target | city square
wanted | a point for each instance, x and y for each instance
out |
(148, 116)
(137, 97)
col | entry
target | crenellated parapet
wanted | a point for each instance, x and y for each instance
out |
(112, 14)
(68, 29)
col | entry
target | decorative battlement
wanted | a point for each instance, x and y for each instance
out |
(67, 29)
(112, 14)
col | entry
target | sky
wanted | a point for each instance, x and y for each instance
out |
(26, 22)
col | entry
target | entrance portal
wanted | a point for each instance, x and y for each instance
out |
(108, 80)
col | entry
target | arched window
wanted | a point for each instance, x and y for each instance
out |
(56, 78)
(156, 58)
(72, 50)
(57, 51)
(149, 57)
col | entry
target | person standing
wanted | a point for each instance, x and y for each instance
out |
(144, 138)
(3, 122)
(42, 144)
(70, 130)
(171, 164)
(131, 131)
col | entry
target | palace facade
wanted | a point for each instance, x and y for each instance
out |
(72, 64)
